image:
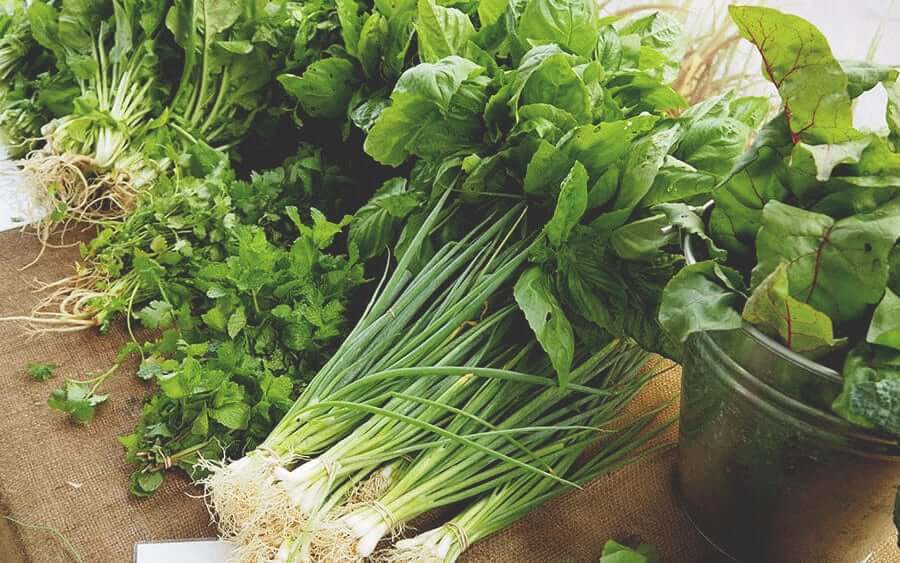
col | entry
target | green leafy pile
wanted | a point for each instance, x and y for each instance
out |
(248, 297)
(806, 226)
(549, 103)
(112, 93)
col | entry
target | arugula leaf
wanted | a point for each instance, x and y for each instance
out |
(545, 316)
(798, 61)
(799, 326)
(40, 371)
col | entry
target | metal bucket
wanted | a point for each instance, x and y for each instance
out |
(765, 471)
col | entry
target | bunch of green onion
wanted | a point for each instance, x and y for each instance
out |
(508, 429)
(433, 398)
(414, 323)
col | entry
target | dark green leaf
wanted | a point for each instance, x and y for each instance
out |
(696, 300)
(325, 88)
(840, 268)
(570, 206)
(546, 318)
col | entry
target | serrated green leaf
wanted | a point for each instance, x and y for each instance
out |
(236, 322)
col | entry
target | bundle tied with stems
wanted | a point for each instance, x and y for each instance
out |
(428, 402)
(434, 317)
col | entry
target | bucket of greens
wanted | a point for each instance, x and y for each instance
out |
(789, 311)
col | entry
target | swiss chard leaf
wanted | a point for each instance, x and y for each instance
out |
(838, 267)
(798, 61)
(697, 299)
(796, 324)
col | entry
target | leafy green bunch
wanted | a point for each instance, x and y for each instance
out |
(547, 102)
(805, 227)
(229, 367)
(33, 91)
(236, 280)
(110, 49)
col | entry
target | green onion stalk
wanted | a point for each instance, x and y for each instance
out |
(510, 502)
(317, 486)
(429, 317)
(478, 454)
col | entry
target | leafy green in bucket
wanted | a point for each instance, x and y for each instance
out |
(810, 216)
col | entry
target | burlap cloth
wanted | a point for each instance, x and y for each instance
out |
(60, 478)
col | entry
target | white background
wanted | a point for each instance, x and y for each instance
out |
(849, 25)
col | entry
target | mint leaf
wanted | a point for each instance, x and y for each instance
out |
(236, 322)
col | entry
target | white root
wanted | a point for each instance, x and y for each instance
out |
(248, 507)
(434, 546)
